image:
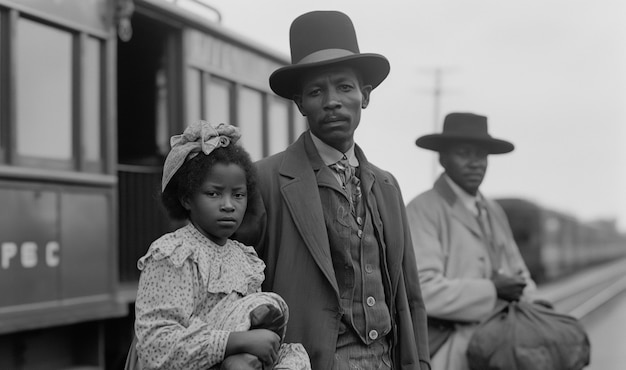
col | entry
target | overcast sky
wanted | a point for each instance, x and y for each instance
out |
(550, 76)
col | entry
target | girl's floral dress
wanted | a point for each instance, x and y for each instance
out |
(192, 293)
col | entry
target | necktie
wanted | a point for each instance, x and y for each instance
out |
(485, 228)
(483, 219)
(349, 181)
(345, 171)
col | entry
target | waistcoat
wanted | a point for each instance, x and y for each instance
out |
(356, 255)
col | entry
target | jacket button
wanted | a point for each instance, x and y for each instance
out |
(371, 301)
(373, 334)
(369, 268)
(359, 233)
(359, 221)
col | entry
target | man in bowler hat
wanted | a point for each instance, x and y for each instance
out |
(332, 229)
(463, 243)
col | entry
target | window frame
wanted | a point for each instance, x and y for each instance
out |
(285, 136)
(260, 142)
(77, 161)
(210, 80)
(85, 164)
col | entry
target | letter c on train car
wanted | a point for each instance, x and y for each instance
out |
(52, 254)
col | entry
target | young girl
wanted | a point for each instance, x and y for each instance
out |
(199, 302)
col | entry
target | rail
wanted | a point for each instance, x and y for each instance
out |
(583, 293)
(600, 298)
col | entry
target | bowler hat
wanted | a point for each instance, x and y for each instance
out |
(324, 38)
(464, 127)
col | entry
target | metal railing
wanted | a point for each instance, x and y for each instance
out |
(195, 4)
(141, 217)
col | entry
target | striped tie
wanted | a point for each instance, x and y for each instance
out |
(350, 182)
(345, 171)
(485, 228)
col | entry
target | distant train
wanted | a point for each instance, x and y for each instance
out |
(555, 244)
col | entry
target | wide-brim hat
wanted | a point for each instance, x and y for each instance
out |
(465, 127)
(324, 38)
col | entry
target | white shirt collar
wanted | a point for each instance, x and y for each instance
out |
(468, 200)
(331, 155)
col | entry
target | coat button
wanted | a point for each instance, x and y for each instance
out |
(371, 301)
(359, 233)
(359, 221)
(369, 268)
(373, 334)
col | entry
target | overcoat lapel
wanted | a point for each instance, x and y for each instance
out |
(299, 189)
(459, 211)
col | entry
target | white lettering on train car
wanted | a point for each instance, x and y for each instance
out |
(9, 250)
(52, 254)
(28, 254)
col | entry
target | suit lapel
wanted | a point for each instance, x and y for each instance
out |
(299, 189)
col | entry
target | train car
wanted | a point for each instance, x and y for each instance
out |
(527, 232)
(555, 244)
(90, 92)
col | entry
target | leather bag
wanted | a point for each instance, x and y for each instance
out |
(526, 336)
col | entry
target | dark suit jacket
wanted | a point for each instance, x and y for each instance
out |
(289, 233)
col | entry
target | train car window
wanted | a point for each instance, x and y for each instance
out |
(218, 100)
(250, 120)
(3, 89)
(299, 123)
(91, 99)
(162, 112)
(81, 13)
(194, 84)
(278, 121)
(47, 86)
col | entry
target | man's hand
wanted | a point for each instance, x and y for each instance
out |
(544, 303)
(508, 288)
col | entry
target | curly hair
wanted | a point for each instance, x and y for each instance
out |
(187, 180)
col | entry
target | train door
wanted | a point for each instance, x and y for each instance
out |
(147, 78)
(147, 104)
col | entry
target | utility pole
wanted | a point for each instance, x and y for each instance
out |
(436, 98)
(436, 113)
(436, 92)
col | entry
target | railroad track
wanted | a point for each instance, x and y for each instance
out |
(583, 293)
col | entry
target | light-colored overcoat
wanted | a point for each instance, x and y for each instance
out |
(290, 235)
(454, 265)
